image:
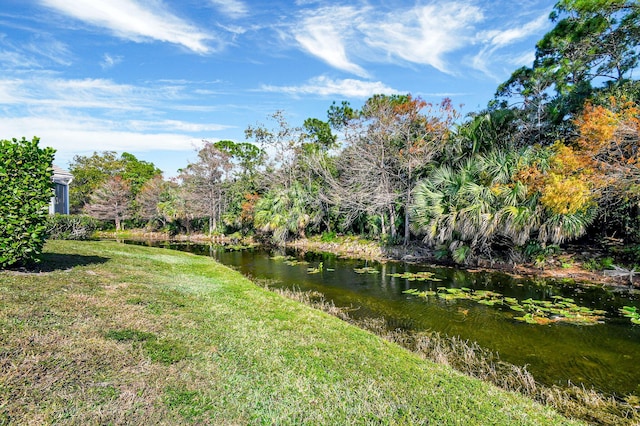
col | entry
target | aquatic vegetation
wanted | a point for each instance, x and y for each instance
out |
(316, 270)
(289, 260)
(418, 293)
(541, 312)
(281, 257)
(417, 276)
(294, 262)
(632, 313)
(561, 309)
(366, 270)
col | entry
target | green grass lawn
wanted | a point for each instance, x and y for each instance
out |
(106, 333)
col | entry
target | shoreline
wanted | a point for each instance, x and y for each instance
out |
(567, 265)
(556, 269)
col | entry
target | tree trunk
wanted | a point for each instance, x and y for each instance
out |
(407, 232)
(392, 223)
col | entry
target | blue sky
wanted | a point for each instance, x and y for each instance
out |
(156, 77)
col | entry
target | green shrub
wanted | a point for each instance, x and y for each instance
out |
(328, 237)
(601, 264)
(71, 227)
(25, 178)
(591, 264)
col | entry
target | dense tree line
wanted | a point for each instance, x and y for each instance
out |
(552, 157)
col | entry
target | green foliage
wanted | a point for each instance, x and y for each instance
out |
(601, 264)
(285, 212)
(71, 227)
(491, 199)
(245, 155)
(592, 48)
(340, 115)
(319, 132)
(534, 249)
(632, 313)
(91, 172)
(25, 179)
(328, 237)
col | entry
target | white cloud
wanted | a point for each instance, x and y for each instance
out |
(497, 47)
(525, 58)
(79, 134)
(50, 49)
(324, 33)
(109, 61)
(77, 117)
(347, 37)
(44, 91)
(324, 86)
(14, 60)
(501, 38)
(424, 34)
(134, 21)
(74, 135)
(232, 8)
(174, 125)
(39, 51)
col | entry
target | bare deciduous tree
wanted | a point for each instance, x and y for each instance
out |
(111, 201)
(202, 183)
(389, 146)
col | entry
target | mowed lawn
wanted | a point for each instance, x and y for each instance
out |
(106, 333)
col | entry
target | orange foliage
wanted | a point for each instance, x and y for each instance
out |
(611, 136)
(568, 185)
(605, 155)
(248, 206)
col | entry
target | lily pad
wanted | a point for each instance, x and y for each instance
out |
(417, 276)
(366, 270)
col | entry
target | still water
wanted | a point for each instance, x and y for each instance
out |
(605, 355)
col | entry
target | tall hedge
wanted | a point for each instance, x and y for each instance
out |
(26, 189)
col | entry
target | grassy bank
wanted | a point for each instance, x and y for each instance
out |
(111, 333)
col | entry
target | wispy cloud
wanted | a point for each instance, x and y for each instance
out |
(109, 61)
(501, 38)
(85, 93)
(349, 37)
(494, 43)
(232, 8)
(174, 125)
(12, 60)
(424, 34)
(135, 21)
(79, 115)
(39, 51)
(49, 48)
(325, 32)
(324, 86)
(79, 134)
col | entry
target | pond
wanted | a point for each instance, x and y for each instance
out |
(603, 354)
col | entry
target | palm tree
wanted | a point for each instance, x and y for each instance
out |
(285, 212)
(483, 200)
